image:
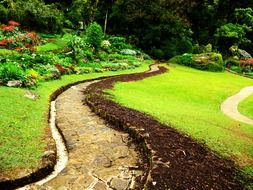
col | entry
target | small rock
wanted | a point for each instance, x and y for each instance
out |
(31, 95)
(102, 160)
(49, 156)
(117, 152)
(84, 181)
(100, 186)
(119, 184)
(14, 83)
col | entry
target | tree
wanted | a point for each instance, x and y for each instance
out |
(94, 34)
(154, 24)
(235, 33)
(108, 4)
(83, 10)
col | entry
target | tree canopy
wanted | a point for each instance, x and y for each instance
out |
(162, 27)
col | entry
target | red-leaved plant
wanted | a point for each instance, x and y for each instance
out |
(17, 39)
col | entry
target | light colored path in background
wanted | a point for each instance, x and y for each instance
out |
(230, 106)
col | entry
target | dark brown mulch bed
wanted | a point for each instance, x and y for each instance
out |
(173, 160)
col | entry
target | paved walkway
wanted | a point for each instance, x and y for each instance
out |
(229, 106)
(99, 157)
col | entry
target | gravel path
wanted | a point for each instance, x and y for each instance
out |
(229, 106)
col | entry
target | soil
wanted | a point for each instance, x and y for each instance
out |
(173, 160)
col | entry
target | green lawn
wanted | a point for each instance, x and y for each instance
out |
(23, 121)
(246, 107)
(189, 100)
(57, 43)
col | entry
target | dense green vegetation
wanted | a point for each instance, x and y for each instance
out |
(190, 100)
(163, 28)
(24, 121)
(28, 58)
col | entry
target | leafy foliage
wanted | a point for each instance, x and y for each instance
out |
(94, 35)
(205, 61)
(11, 71)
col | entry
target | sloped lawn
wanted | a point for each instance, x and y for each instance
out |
(189, 100)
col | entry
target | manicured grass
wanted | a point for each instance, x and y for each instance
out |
(189, 100)
(246, 106)
(58, 43)
(23, 121)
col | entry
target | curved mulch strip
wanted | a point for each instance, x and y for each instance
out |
(173, 160)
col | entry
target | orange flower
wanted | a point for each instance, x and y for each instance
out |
(13, 23)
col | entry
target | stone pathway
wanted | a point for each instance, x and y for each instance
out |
(100, 158)
(229, 106)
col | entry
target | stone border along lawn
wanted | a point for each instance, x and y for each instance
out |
(174, 160)
(11, 178)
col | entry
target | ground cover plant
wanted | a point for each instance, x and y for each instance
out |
(189, 100)
(24, 121)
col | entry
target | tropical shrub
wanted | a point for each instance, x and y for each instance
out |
(94, 35)
(119, 43)
(76, 44)
(11, 71)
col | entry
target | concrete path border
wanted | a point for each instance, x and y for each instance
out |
(230, 106)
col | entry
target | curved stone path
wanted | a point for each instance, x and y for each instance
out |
(229, 106)
(100, 157)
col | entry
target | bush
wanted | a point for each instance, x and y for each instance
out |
(232, 63)
(128, 52)
(208, 62)
(76, 44)
(11, 71)
(105, 44)
(119, 43)
(94, 35)
(205, 61)
(83, 70)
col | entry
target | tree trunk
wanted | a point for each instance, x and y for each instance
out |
(106, 19)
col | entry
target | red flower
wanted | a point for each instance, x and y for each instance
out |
(4, 42)
(18, 48)
(33, 35)
(8, 28)
(28, 45)
(13, 23)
